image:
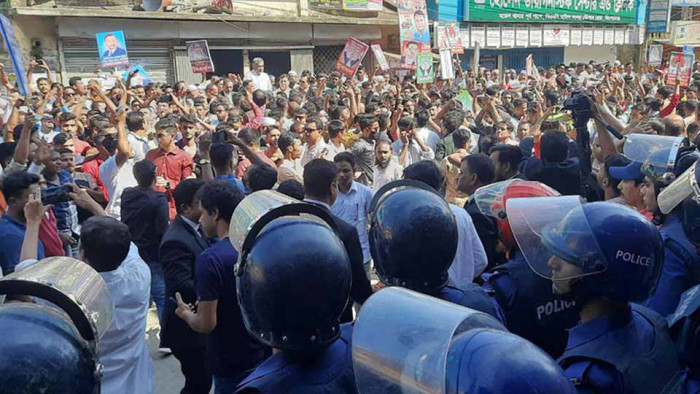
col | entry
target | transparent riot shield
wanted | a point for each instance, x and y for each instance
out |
(71, 285)
(663, 150)
(685, 186)
(401, 340)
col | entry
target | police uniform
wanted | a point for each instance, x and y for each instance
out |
(628, 352)
(531, 309)
(680, 270)
(474, 297)
(328, 372)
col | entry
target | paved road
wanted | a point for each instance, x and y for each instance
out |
(168, 378)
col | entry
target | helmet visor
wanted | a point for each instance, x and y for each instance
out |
(685, 186)
(401, 339)
(642, 148)
(550, 229)
(489, 199)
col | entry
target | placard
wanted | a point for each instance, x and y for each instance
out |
(555, 35)
(656, 53)
(414, 28)
(447, 36)
(425, 72)
(379, 56)
(522, 36)
(586, 37)
(680, 69)
(507, 36)
(536, 36)
(575, 37)
(493, 36)
(200, 58)
(351, 57)
(447, 70)
(112, 49)
(140, 78)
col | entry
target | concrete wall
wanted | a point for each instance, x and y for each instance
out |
(584, 54)
(37, 37)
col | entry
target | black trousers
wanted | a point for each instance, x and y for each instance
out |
(193, 364)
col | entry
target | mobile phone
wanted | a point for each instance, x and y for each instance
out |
(55, 195)
(82, 183)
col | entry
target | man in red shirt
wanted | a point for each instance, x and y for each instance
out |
(173, 165)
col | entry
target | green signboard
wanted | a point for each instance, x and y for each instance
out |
(555, 11)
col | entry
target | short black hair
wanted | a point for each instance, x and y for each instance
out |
(134, 121)
(7, 152)
(461, 136)
(74, 81)
(285, 141)
(17, 183)
(452, 121)
(335, 127)
(261, 177)
(426, 171)
(61, 139)
(345, 157)
(422, 116)
(167, 124)
(65, 117)
(259, 98)
(319, 175)
(105, 242)
(145, 173)
(249, 136)
(481, 166)
(184, 193)
(554, 147)
(221, 197)
(367, 122)
(292, 188)
(406, 122)
(220, 154)
(508, 154)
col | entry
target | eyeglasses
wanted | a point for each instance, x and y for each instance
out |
(309, 130)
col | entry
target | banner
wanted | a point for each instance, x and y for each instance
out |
(140, 78)
(685, 33)
(362, 5)
(448, 36)
(623, 12)
(656, 53)
(326, 4)
(351, 57)
(425, 72)
(379, 55)
(680, 68)
(112, 49)
(8, 37)
(447, 70)
(222, 5)
(200, 58)
(413, 29)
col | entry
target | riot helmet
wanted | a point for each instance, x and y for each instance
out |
(489, 361)
(52, 346)
(492, 199)
(412, 236)
(594, 249)
(293, 273)
(658, 154)
(401, 339)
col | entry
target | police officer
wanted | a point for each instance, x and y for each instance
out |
(530, 308)
(604, 256)
(293, 278)
(405, 342)
(53, 347)
(681, 262)
(413, 241)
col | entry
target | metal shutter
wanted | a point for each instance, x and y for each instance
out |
(82, 59)
(544, 57)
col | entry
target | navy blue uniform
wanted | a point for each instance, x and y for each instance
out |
(330, 372)
(680, 261)
(530, 307)
(629, 352)
(474, 297)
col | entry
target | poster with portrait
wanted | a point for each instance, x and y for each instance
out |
(112, 49)
(425, 72)
(222, 5)
(140, 78)
(656, 53)
(351, 57)
(200, 58)
(680, 69)
(414, 29)
(379, 56)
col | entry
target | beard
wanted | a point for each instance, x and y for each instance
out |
(382, 165)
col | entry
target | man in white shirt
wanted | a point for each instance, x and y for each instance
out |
(428, 136)
(386, 168)
(315, 147)
(409, 149)
(105, 245)
(258, 76)
(116, 172)
(336, 133)
(138, 137)
(290, 168)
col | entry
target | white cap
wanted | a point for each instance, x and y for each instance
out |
(292, 73)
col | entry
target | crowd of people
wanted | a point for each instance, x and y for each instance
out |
(457, 190)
